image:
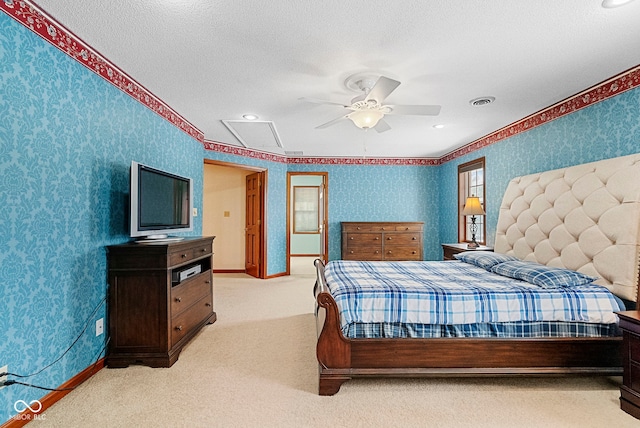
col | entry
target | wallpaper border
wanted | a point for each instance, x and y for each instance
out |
(216, 146)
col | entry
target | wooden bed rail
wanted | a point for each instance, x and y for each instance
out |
(333, 350)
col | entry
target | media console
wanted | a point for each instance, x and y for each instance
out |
(160, 296)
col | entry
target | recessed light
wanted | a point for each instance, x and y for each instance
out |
(482, 101)
(440, 126)
(250, 116)
(610, 4)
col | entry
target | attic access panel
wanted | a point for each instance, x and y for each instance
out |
(255, 134)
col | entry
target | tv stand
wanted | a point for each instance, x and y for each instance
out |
(160, 296)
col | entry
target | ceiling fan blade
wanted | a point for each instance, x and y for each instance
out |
(382, 88)
(382, 126)
(332, 122)
(319, 101)
(415, 110)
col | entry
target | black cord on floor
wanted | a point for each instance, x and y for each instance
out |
(14, 382)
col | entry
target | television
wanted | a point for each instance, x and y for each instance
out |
(161, 203)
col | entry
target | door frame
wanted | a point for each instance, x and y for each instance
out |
(325, 220)
(262, 268)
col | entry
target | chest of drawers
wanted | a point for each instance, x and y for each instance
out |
(160, 296)
(382, 240)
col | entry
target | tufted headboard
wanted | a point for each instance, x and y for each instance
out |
(585, 217)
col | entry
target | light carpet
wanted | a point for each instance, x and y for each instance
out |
(256, 367)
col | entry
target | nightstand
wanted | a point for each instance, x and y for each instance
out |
(448, 250)
(630, 388)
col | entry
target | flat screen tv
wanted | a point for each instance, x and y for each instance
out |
(161, 203)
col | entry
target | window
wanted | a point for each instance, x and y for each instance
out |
(306, 200)
(471, 183)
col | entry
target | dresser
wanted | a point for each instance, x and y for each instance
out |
(630, 388)
(382, 240)
(449, 250)
(160, 296)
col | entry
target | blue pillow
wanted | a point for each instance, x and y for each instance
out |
(484, 259)
(541, 275)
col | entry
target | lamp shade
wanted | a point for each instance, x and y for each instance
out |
(472, 206)
(366, 118)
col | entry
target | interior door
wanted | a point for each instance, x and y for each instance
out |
(319, 180)
(253, 224)
(323, 220)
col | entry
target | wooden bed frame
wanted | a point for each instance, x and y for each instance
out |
(341, 359)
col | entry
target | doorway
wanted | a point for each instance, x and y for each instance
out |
(233, 211)
(307, 219)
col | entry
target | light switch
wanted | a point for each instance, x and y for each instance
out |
(195, 212)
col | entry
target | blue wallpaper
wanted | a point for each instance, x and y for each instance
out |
(67, 139)
(381, 193)
(604, 130)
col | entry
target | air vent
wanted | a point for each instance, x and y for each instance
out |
(482, 101)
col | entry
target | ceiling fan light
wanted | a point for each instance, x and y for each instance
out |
(365, 119)
(610, 4)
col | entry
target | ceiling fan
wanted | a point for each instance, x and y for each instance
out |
(367, 109)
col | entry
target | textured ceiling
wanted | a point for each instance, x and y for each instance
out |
(213, 61)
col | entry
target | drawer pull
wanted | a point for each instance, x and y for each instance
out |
(351, 238)
(178, 299)
(414, 238)
(377, 252)
(207, 282)
(183, 256)
(204, 250)
(179, 328)
(358, 228)
(207, 304)
(351, 252)
(377, 237)
(406, 228)
(389, 238)
(382, 228)
(413, 252)
(389, 252)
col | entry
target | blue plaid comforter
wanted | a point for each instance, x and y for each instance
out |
(454, 292)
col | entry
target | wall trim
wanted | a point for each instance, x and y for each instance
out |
(216, 146)
(365, 161)
(54, 396)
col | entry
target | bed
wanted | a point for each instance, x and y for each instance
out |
(583, 219)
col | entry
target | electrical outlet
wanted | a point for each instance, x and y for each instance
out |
(99, 326)
(3, 378)
(195, 212)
